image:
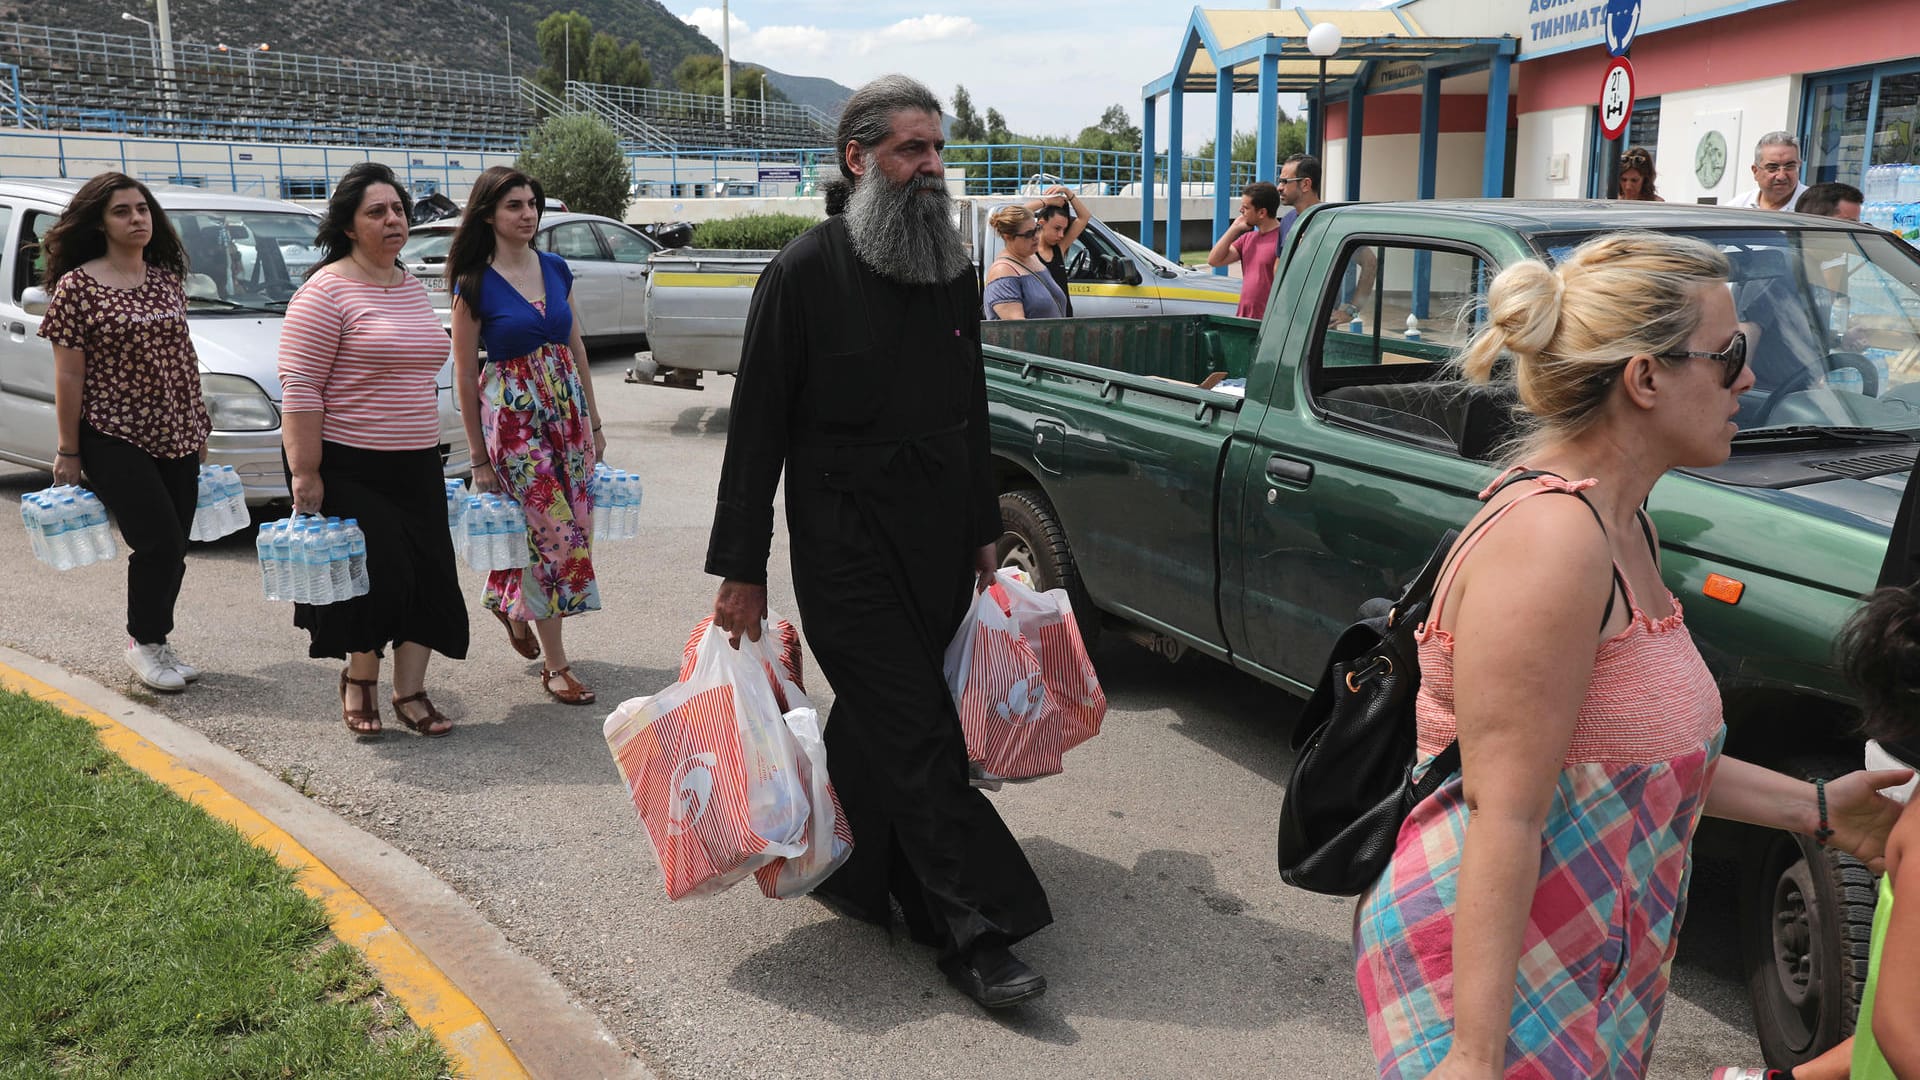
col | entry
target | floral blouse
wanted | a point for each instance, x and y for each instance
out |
(143, 378)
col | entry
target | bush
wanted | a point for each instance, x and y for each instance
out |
(577, 159)
(753, 232)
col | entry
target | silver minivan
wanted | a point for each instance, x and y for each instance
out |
(247, 256)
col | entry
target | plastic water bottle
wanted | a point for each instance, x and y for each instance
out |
(263, 551)
(236, 499)
(99, 534)
(511, 549)
(1909, 190)
(1356, 326)
(1839, 317)
(1880, 185)
(339, 561)
(69, 543)
(634, 493)
(356, 556)
(321, 555)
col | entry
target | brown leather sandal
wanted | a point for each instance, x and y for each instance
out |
(572, 692)
(433, 725)
(528, 646)
(364, 723)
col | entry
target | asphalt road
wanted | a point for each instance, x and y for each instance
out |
(1175, 952)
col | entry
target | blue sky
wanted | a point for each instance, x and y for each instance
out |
(1050, 68)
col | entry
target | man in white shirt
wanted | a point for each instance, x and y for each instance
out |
(1776, 168)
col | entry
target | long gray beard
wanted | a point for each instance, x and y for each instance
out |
(906, 232)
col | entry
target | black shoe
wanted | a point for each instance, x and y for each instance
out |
(994, 977)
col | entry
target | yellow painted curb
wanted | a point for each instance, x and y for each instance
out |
(430, 998)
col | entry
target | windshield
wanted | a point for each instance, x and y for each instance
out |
(1159, 262)
(244, 261)
(1832, 320)
(427, 246)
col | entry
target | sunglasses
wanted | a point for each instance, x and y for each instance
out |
(1734, 357)
(1028, 235)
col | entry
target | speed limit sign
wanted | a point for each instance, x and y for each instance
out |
(1616, 97)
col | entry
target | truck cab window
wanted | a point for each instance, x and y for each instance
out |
(1092, 258)
(1394, 316)
(573, 240)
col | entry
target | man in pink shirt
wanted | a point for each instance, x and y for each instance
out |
(1253, 241)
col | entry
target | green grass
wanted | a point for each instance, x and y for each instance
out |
(141, 938)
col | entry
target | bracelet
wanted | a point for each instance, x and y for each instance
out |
(1825, 832)
(479, 464)
(596, 427)
(66, 453)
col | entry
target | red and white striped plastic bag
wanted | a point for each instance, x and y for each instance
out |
(1012, 725)
(789, 653)
(1046, 621)
(713, 770)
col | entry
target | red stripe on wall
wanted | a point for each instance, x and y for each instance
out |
(1785, 39)
(1399, 114)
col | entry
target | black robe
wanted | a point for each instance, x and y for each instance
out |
(872, 395)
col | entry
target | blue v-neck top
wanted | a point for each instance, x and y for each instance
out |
(510, 326)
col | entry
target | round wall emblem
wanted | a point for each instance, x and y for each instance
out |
(1710, 159)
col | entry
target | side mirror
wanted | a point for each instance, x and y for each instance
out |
(34, 301)
(1129, 272)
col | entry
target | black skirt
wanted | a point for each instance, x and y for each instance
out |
(399, 498)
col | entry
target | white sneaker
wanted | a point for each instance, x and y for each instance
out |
(146, 663)
(172, 659)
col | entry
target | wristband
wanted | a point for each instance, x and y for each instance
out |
(1825, 832)
(596, 427)
(66, 453)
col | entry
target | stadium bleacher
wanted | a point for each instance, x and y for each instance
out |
(78, 80)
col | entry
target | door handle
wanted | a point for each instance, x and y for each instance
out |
(16, 328)
(1287, 470)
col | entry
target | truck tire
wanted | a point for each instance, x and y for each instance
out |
(1806, 920)
(1032, 540)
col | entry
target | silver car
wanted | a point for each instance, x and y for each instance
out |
(247, 256)
(608, 260)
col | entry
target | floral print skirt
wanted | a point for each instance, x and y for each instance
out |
(540, 438)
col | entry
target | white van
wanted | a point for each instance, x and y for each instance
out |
(247, 256)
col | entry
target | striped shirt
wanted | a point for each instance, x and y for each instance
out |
(366, 356)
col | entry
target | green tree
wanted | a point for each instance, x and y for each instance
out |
(613, 64)
(966, 127)
(1114, 132)
(703, 75)
(997, 127)
(577, 159)
(566, 46)
(1292, 139)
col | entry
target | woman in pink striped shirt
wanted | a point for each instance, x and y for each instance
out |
(358, 355)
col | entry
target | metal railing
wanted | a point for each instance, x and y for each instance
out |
(634, 132)
(710, 109)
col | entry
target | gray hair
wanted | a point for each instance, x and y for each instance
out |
(867, 119)
(1774, 138)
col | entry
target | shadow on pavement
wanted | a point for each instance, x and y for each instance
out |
(1157, 942)
(704, 420)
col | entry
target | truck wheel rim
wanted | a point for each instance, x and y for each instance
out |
(1016, 553)
(1793, 951)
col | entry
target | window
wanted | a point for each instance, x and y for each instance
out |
(1092, 258)
(1837, 147)
(1643, 130)
(627, 246)
(573, 240)
(1859, 119)
(303, 187)
(1389, 322)
(32, 265)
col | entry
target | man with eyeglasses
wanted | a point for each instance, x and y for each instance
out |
(1776, 168)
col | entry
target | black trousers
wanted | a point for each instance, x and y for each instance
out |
(152, 499)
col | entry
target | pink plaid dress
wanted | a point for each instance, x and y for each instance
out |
(1614, 863)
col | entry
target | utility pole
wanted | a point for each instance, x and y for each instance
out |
(166, 49)
(509, 46)
(726, 65)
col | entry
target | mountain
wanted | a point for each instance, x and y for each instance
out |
(823, 94)
(468, 35)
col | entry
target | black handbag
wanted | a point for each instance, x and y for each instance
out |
(1352, 782)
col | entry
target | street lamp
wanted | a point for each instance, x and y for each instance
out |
(1322, 41)
(153, 42)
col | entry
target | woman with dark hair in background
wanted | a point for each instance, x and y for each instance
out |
(529, 413)
(1063, 217)
(127, 395)
(1636, 176)
(358, 355)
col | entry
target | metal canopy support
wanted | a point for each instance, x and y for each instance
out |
(1356, 129)
(1149, 107)
(1269, 93)
(1493, 168)
(1222, 154)
(1427, 181)
(1176, 166)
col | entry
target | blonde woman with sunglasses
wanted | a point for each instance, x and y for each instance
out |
(1018, 285)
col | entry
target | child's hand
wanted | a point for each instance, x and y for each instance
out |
(1861, 817)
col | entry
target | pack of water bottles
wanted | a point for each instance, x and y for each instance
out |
(220, 507)
(616, 504)
(308, 559)
(492, 533)
(67, 527)
(456, 506)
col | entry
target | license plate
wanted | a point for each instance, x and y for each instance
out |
(436, 284)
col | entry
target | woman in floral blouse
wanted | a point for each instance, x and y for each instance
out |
(127, 395)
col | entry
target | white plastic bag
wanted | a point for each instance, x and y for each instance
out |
(829, 839)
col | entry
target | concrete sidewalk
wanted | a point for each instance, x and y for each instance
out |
(498, 1013)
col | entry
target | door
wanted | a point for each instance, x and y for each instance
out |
(28, 430)
(1103, 279)
(1347, 491)
(629, 250)
(598, 291)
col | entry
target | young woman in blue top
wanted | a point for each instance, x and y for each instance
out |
(529, 412)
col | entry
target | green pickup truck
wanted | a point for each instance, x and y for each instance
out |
(1237, 489)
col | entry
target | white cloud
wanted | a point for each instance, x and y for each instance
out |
(925, 28)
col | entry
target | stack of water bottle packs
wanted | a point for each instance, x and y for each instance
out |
(616, 504)
(1893, 199)
(492, 533)
(308, 559)
(67, 527)
(220, 507)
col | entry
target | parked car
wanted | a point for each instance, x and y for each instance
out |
(608, 259)
(697, 299)
(1248, 519)
(246, 257)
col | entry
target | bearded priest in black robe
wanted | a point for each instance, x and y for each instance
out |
(861, 375)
